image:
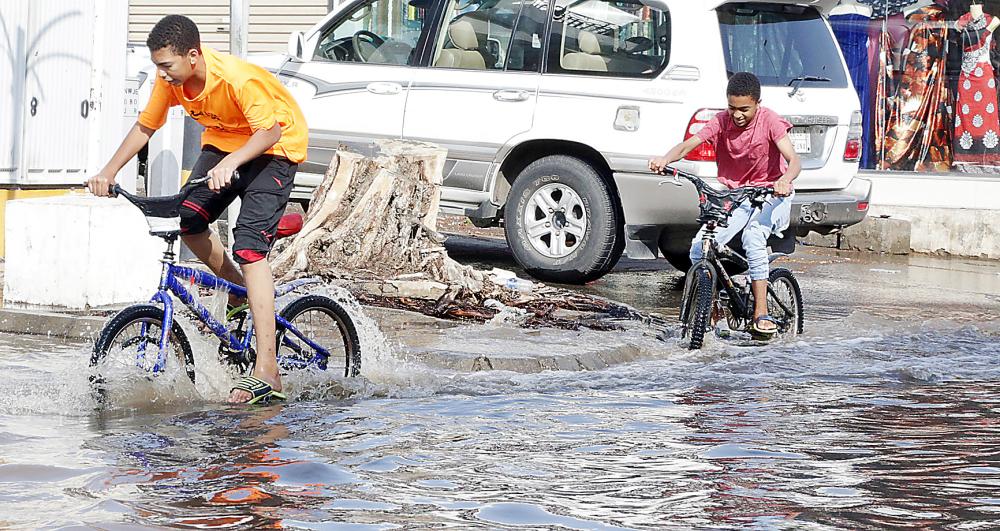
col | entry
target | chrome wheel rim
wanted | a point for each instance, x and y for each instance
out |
(555, 220)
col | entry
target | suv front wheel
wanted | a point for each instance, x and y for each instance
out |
(561, 222)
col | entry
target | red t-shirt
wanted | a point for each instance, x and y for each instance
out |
(747, 156)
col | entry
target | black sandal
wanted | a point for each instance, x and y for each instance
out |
(260, 391)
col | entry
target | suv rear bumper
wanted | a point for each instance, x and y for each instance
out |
(835, 208)
(652, 208)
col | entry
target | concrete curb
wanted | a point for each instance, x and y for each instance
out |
(36, 322)
(438, 343)
(874, 234)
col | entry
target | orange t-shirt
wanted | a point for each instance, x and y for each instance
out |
(239, 98)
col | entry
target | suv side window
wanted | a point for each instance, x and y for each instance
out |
(491, 35)
(609, 38)
(379, 32)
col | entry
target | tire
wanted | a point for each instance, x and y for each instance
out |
(675, 245)
(325, 322)
(679, 261)
(124, 330)
(596, 240)
(696, 305)
(782, 283)
(680, 258)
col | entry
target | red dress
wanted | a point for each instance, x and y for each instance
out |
(977, 121)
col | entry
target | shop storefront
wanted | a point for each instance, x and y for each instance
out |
(926, 75)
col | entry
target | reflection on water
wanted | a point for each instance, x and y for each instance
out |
(852, 427)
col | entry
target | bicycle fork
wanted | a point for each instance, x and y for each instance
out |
(166, 325)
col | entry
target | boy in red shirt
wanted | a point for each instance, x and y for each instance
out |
(752, 149)
(252, 124)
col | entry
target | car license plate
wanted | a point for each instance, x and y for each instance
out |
(802, 141)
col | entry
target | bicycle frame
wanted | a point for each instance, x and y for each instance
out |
(713, 253)
(172, 281)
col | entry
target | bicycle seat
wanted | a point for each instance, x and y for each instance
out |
(289, 225)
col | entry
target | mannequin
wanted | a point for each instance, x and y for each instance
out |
(976, 12)
(977, 118)
(851, 7)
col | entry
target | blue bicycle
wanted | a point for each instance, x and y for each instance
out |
(313, 331)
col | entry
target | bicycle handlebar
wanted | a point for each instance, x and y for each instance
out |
(167, 206)
(703, 187)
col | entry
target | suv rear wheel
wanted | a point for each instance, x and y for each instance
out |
(675, 244)
(561, 221)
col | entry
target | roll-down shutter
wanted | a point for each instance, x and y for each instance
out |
(270, 20)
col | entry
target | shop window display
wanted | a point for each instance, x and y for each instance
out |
(929, 92)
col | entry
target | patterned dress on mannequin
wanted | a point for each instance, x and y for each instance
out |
(977, 120)
(918, 134)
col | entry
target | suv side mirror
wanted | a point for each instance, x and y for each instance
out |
(297, 46)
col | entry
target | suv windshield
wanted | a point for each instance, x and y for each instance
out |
(781, 44)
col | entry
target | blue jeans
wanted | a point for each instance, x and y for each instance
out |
(772, 218)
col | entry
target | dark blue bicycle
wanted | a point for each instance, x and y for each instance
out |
(313, 331)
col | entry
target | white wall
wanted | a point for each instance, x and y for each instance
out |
(951, 213)
(78, 252)
(61, 89)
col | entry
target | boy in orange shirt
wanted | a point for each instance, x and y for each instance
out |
(252, 124)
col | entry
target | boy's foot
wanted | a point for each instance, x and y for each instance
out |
(255, 391)
(241, 395)
(765, 325)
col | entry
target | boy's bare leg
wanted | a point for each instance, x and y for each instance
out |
(759, 288)
(209, 249)
(260, 292)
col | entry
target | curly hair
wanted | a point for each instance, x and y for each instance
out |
(744, 84)
(174, 31)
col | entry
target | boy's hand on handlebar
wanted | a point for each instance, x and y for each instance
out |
(659, 164)
(782, 188)
(221, 176)
(100, 185)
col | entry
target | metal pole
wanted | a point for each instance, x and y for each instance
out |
(239, 30)
(239, 27)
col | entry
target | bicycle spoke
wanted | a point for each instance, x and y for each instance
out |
(321, 329)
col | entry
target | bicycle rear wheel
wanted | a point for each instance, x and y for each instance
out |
(783, 287)
(696, 305)
(130, 341)
(322, 322)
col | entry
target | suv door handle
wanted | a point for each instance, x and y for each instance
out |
(384, 88)
(510, 95)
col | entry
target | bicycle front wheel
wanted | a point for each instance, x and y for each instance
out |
(696, 309)
(324, 336)
(131, 341)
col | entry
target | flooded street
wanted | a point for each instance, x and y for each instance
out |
(885, 413)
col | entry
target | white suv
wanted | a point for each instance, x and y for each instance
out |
(550, 109)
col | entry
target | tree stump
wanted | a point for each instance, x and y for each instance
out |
(376, 220)
(373, 223)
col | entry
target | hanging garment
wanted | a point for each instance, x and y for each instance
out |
(977, 122)
(918, 136)
(852, 35)
(886, 39)
(883, 84)
(881, 8)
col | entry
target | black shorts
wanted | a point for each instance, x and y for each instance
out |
(264, 186)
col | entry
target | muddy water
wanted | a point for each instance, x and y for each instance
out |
(873, 419)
